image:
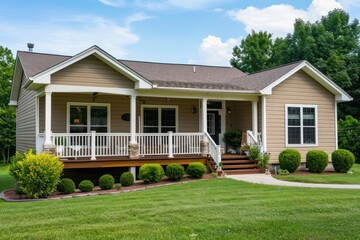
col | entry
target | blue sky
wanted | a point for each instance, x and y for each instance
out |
(187, 31)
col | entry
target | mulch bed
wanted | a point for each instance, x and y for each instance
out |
(139, 185)
(305, 172)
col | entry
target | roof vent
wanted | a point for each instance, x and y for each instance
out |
(194, 69)
(30, 46)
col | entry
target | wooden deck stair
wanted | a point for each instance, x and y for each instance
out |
(239, 164)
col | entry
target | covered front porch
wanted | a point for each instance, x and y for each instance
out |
(91, 126)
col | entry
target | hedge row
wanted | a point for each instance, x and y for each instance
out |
(316, 160)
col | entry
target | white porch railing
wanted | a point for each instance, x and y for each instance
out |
(214, 150)
(251, 140)
(74, 145)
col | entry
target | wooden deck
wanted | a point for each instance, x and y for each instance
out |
(108, 162)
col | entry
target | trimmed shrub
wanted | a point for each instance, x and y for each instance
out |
(342, 160)
(118, 186)
(86, 186)
(37, 175)
(290, 159)
(283, 172)
(175, 172)
(196, 170)
(254, 153)
(106, 182)
(232, 138)
(66, 186)
(127, 179)
(150, 173)
(316, 161)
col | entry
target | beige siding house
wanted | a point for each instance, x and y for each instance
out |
(91, 106)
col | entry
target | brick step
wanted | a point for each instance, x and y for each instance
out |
(233, 156)
(241, 166)
(244, 171)
(225, 162)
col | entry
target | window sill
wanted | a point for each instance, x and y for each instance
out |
(301, 145)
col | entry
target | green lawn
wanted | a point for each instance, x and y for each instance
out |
(6, 181)
(343, 178)
(210, 209)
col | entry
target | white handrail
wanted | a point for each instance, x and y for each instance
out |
(250, 138)
(214, 150)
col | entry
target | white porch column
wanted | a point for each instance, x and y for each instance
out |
(204, 115)
(48, 119)
(133, 119)
(204, 145)
(263, 120)
(255, 118)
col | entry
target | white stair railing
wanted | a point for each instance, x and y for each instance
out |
(214, 150)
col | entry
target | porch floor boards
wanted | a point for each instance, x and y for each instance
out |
(123, 161)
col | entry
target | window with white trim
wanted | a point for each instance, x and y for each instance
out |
(301, 125)
(159, 119)
(87, 117)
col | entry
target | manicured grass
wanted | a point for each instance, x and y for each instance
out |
(6, 181)
(209, 209)
(342, 178)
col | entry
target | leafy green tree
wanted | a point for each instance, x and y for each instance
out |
(330, 44)
(349, 135)
(7, 113)
(254, 52)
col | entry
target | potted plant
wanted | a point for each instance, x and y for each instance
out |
(245, 149)
(232, 138)
(263, 160)
(219, 170)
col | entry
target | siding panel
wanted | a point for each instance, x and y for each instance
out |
(300, 89)
(91, 72)
(25, 119)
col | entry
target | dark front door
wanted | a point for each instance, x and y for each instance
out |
(214, 125)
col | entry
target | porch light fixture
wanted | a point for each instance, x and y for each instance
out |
(94, 96)
(228, 110)
(76, 121)
(194, 109)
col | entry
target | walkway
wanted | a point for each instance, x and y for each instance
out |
(269, 180)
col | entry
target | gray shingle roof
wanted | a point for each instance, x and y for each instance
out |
(174, 75)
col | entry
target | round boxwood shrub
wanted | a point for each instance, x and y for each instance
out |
(290, 159)
(66, 186)
(106, 182)
(316, 161)
(86, 186)
(342, 160)
(127, 179)
(196, 170)
(37, 175)
(150, 173)
(175, 172)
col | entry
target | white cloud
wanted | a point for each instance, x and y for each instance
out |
(69, 36)
(347, 4)
(113, 3)
(137, 17)
(214, 51)
(279, 19)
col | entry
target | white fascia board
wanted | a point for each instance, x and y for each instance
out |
(87, 89)
(45, 76)
(16, 81)
(13, 103)
(206, 90)
(213, 95)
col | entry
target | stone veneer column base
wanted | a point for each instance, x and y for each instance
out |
(204, 148)
(133, 151)
(49, 149)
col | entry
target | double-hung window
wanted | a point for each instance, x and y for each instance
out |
(301, 125)
(159, 119)
(87, 117)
